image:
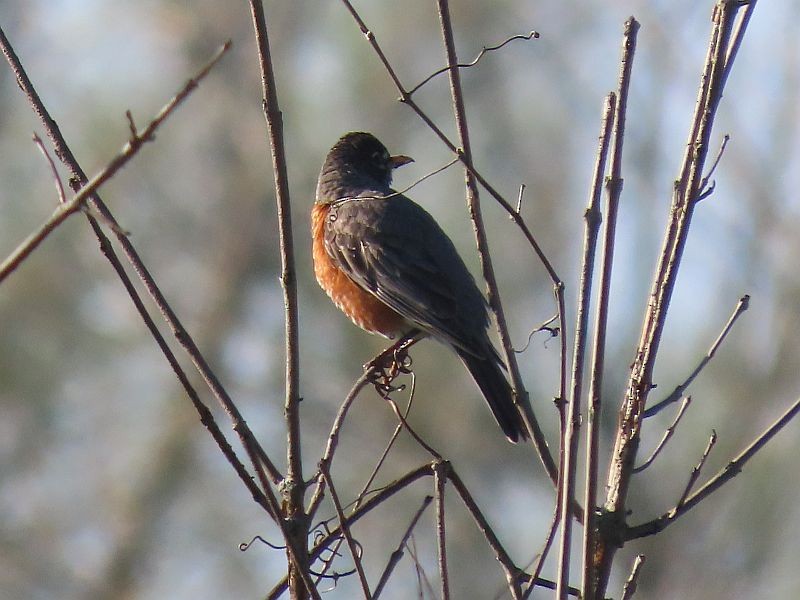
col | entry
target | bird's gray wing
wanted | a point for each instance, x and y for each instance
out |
(396, 251)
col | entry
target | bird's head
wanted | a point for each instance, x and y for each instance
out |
(359, 159)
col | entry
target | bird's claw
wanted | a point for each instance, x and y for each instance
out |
(388, 366)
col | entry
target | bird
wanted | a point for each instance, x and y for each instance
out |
(387, 264)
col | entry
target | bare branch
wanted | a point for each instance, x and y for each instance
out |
(731, 470)
(398, 554)
(473, 203)
(354, 549)
(667, 435)
(428, 448)
(62, 198)
(511, 570)
(677, 393)
(274, 121)
(592, 218)
(440, 471)
(685, 195)
(333, 441)
(695, 474)
(612, 114)
(629, 589)
(129, 150)
(705, 190)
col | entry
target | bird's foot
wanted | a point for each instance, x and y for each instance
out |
(385, 368)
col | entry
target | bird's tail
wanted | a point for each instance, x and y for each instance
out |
(492, 382)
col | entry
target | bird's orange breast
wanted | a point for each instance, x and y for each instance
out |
(364, 309)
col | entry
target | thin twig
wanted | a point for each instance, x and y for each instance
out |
(365, 488)
(333, 441)
(545, 326)
(731, 470)
(705, 190)
(538, 562)
(486, 49)
(440, 472)
(128, 151)
(667, 435)
(389, 445)
(424, 585)
(629, 589)
(695, 474)
(323, 542)
(395, 557)
(62, 198)
(511, 570)
(678, 392)
(419, 180)
(428, 448)
(519, 197)
(351, 543)
(737, 37)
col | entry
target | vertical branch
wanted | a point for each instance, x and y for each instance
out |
(473, 203)
(440, 470)
(274, 120)
(593, 430)
(593, 219)
(613, 190)
(686, 191)
(294, 485)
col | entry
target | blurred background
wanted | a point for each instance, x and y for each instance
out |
(109, 486)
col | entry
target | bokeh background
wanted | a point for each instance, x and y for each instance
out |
(110, 488)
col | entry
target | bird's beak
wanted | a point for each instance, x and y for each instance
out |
(399, 160)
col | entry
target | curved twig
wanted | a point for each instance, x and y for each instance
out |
(485, 50)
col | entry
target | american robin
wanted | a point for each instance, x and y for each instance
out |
(386, 263)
